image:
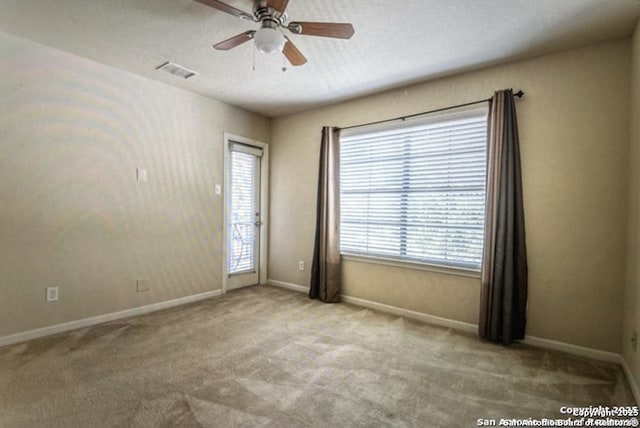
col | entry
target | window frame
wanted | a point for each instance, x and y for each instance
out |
(426, 265)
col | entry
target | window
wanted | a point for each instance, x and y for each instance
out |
(415, 191)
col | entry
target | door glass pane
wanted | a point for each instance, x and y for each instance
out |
(244, 206)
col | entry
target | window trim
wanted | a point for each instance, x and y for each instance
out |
(407, 264)
(264, 206)
(426, 265)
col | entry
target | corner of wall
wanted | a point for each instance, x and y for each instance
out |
(631, 324)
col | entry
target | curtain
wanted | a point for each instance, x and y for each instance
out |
(504, 269)
(326, 269)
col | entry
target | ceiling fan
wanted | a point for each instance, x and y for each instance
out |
(271, 14)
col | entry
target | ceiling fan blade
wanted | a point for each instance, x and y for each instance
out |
(323, 29)
(234, 41)
(292, 53)
(279, 5)
(228, 9)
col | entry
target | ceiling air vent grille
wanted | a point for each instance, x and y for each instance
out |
(177, 70)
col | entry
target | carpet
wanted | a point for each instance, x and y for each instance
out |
(267, 357)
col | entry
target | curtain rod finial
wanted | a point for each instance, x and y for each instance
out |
(519, 94)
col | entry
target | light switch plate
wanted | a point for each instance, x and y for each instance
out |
(53, 294)
(141, 173)
(218, 190)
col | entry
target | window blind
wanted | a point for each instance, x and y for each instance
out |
(415, 191)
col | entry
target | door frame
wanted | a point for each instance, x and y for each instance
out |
(264, 205)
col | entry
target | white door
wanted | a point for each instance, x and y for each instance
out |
(244, 219)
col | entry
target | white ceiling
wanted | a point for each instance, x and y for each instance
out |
(395, 43)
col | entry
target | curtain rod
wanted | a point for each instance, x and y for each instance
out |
(518, 94)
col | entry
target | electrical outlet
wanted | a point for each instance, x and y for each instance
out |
(53, 294)
(634, 340)
(143, 285)
(301, 265)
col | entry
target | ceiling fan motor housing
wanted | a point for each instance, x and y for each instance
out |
(271, 14)
(264, 13)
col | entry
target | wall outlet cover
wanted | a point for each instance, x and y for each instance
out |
(143, 285)
(301, 265)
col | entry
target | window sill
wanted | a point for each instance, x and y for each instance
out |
(412, 265)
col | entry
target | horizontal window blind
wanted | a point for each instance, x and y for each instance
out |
(415, 191)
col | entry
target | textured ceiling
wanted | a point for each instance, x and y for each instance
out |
(396, 42)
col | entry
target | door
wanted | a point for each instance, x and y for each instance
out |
(244, 219)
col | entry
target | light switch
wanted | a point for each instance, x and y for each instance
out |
(218, 189)
(53, 294)
(142, 174)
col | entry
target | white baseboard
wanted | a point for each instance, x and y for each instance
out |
(582, 351)
(86, 322)
(429, 319)
(631, 379)
(288, 285)
(594, 354)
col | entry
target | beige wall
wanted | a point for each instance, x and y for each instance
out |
(73, 215)
(632, 292)
(72, 133)
(574, 129)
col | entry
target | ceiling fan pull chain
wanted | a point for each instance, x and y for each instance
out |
(284, 64)
(254, 57)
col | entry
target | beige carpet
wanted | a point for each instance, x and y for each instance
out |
(268, 357)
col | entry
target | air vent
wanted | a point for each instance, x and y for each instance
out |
(177, 70)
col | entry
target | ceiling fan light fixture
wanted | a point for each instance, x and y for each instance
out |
(269, 40)
(272, 16)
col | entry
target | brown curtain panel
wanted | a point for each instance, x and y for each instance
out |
(504, 270)
(326, 269)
